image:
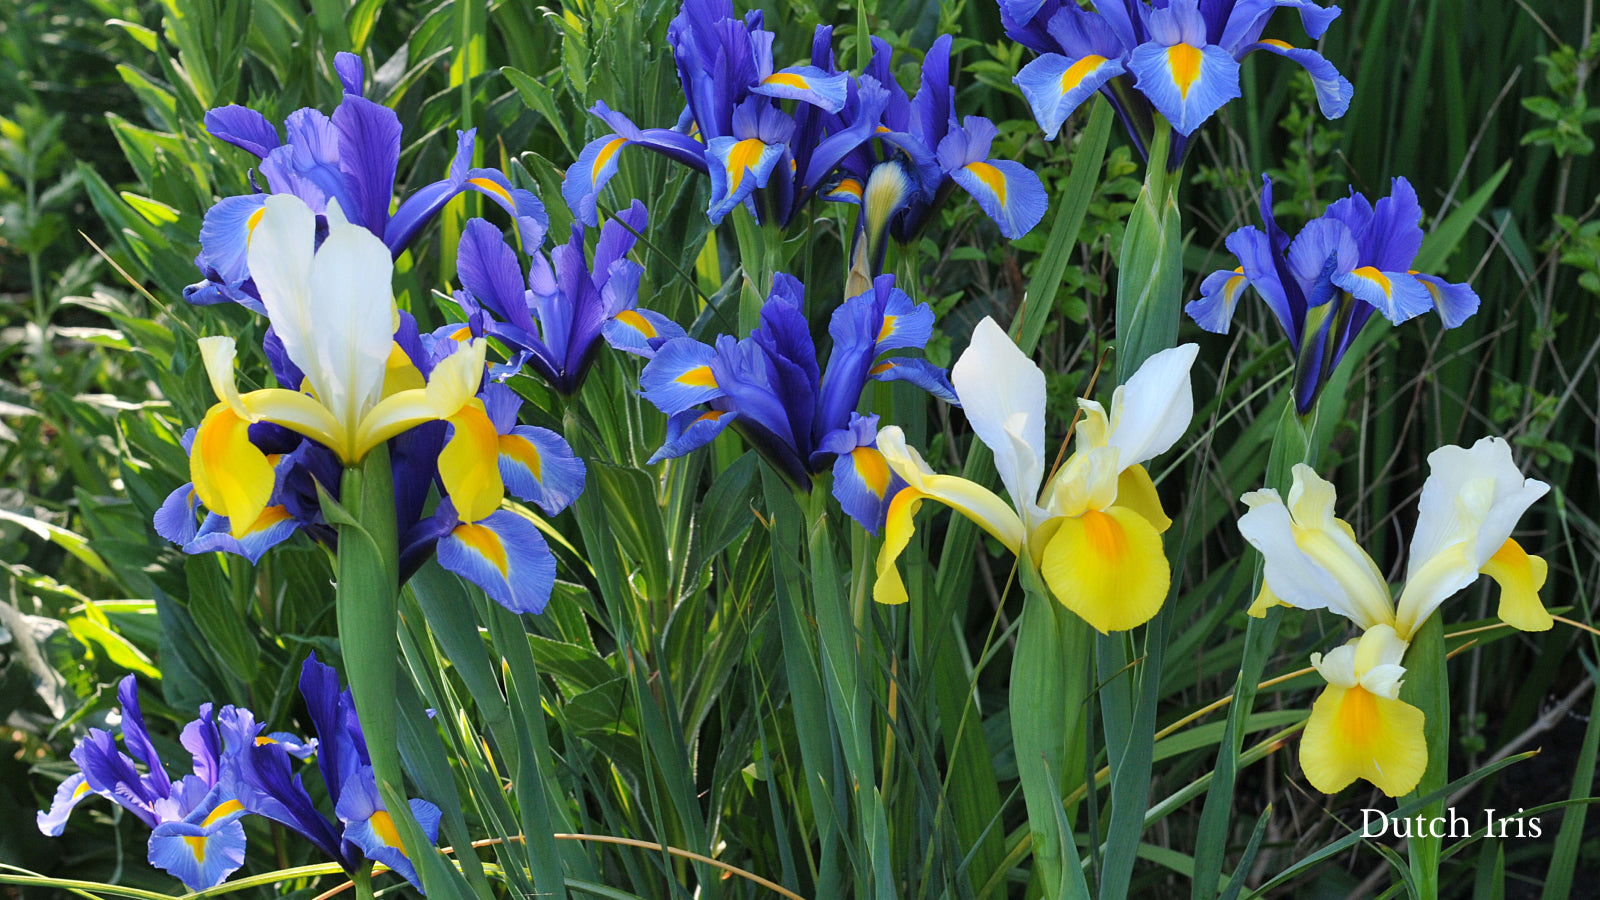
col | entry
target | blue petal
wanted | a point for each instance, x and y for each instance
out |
(690, 430)
(198, 856)
(71, 792)
(1455, 302)
(1219, 296)
(1398, 295)
(1185, 83)
(506, 555)
(1055, 85)
(1255, 254)
(537, 465)
(586, 177)
(489, 271)
(1333, 90)
(1248, 19)
(738, 168)
(863, 485)
(806, 83)
(351, 72)
(177, 520)
(919, 372)
(680, 376)
(1394, 235)
(137, 738)
(640, 331)
(274, 526)
(369, 153)
(225, 235)
(243, 127)
(1011, 194)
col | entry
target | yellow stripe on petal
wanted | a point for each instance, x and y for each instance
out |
(269, 517)
(523, 451)
(873, 470)
(495, 189)
(992, 178)
(1274, 42)
(231, 476)
(223, 809)
(897, 531)
(1078, 71)
(1377, 278)
(742, 157)
(384, 827)
(197, 846)
(788, 80)
(1354, 733)
(1108, 567)
(469, 464)
(1137, 492)
(887, 330)
(251, 223)
(604, 156)
(848, 186)
(485, 543)
(1184, 60)
(637, 322)
(1520, 577)
(699, 376)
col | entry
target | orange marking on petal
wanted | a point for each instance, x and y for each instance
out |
(523, 451)
(492, 188)
(384, 826)
(485, 543)
(223, 809)
(699, 376)
(637, 322)
(992, 178)
(604, 156)
(887, 329)
(1079, 70)
(1184, 61)
(787, 79)
(1281, 45)
(1376, 277)
(873, 470)
(881, 368)
(742, 158)
(712, 416)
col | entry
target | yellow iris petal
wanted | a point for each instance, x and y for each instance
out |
(1264, 601)
(1520, 576)
(231, 476)
(1137, 492)
(897, 533)
(1354, 733)
(453, 382)
(1108, 567)
(469, 464)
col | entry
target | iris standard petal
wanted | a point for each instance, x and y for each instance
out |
(506, 556)
(1003, 394)
(1108, 567)
(1152, 410)
(1185, 83)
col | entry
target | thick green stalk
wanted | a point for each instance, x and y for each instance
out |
(761, 254)
(1150, 267)
(1427, 687)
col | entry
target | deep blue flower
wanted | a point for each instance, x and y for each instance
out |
(770, 388)
(1179, 58)
(350, 157)
(1322, 286)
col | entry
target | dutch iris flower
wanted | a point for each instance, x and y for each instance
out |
(1096, 537)
(362, 376)
(1323, 286)
(349, 158)
(1471, 501)
(1179, 58)
(557, 315)
(918, 152)
(733, 127)
(770, 388)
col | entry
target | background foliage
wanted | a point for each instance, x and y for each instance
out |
(670, 714)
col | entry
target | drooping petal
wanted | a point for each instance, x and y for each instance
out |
(808, 84)
(1002, 392)
(1354, 733)
(1009, 192)
(1108, 567)
(863, 484)
(1520, 576)
(199, 856)
(680, 376)
(231, 477)
(972, 500)
(1455, 302)
(917, 371)
(272, 527)
(1219, 297)
(537, 465)
(1137, 492)
(177, 520)
(1333, 90)
(368, 825)
(225, 235)
(244, 128)
(68, 795)
(640, 331)
(1398, 295)
(690, 430)
(469, 464)
(1055, 85)
(738, 167)
(899, 525)
(506, 556)
(1184, 82)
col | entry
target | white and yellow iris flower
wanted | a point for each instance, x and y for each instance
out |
(1095, 534)
(334, 311)
(1471, 501)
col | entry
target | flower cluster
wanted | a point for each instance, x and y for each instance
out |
(802, 418)
(1323, 286)
(1471, 501)
(1179, 59)
(237, 771)
(1096, 535)
(358, 375)
(842, 129)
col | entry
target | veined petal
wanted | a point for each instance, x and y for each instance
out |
(680, 376)
(506, 555)
(1009, 192)
(1108, 567)
(917, 371)
(1056, 85)
(1398, 295)
(225, 235)
(738, 168)
(1455, 302)
(690, 430)
(1137, 492)
(274, 526)
(451, 384)
(469, 464)
(1354, 733)
(201, 857)
(972, 500)
(537, 465)
(899, 525)
(1520, 576)
(176, 519)
(1002, 392)
(808, 84)
(863, 484)
(640, 331)
(1185, 83)
(53, 821)
(231, 476)
(1152, 410)
(1219, 297)
(1333, 90)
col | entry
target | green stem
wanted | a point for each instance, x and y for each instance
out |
(761, 255)
(1427, 687)
(363, 882)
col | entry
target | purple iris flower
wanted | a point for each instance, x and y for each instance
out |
(1179, 58)
(801, 418)
(350, 157)
(1322, 286)
(917, 154)
(557, 315)
(733, 126)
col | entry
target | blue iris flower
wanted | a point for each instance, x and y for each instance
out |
(801, 418)
(557, 315)
(733, 126)
(1179, 58)
(917, 154)
(1322, 286)
(350, 157)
